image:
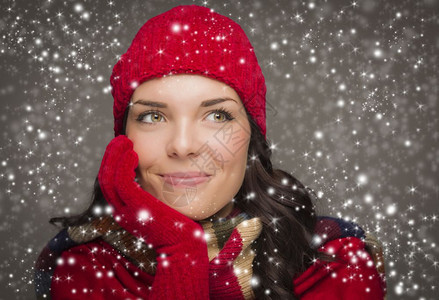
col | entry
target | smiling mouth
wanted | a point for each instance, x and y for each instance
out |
(176, 181)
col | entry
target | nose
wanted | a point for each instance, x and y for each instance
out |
(184, 140)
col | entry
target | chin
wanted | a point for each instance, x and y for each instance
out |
(197, 217)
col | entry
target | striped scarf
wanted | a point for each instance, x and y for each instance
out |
(221, 235)
(228, 240)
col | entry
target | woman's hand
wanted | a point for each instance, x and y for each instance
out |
(135, 209)
(182, 260)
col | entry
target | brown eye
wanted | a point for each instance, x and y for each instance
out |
(150, 117)
(156, 117)
(221, 115)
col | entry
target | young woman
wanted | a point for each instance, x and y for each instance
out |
(186, 203)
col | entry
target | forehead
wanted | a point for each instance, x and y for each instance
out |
(184, 84)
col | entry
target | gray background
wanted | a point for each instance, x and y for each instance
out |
(352, 112)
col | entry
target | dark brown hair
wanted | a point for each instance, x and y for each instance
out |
(284, 205)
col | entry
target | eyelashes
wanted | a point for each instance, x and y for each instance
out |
(141, 117)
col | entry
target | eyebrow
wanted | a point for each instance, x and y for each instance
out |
(205, 103)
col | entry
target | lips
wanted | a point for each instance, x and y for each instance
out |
(186, 174)
(185, 179)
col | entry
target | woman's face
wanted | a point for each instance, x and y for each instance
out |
(177, 124)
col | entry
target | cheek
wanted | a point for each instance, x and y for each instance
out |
(145, 150)
(233, 146)
(224, 153)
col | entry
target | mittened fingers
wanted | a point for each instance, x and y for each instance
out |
(118, 145)
(128, 162)
(114, 150)
(126, 187)
(110, 166)
(105, 179)
(107, 169)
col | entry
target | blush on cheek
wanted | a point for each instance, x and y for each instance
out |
(147, 154)
(142, 145)
(220, 155)
(233, 144)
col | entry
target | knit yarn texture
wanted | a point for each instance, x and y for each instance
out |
(228, 240)
(229, 250)
(190, 39)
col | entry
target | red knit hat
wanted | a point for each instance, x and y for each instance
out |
(190, 39)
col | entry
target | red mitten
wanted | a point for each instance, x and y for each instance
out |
(182, 260)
